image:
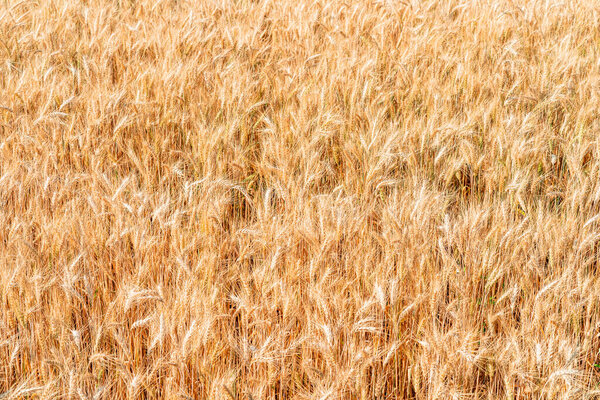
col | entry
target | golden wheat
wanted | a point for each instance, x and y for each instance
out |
(288, 199)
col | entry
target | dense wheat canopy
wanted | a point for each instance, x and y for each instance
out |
(299, 199)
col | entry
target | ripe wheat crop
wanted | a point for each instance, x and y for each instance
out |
(293, 199)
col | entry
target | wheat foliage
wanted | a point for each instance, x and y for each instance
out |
(299, 199)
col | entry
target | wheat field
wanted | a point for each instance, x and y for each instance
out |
(287, 199)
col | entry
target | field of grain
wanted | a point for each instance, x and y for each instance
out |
(298, 199)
